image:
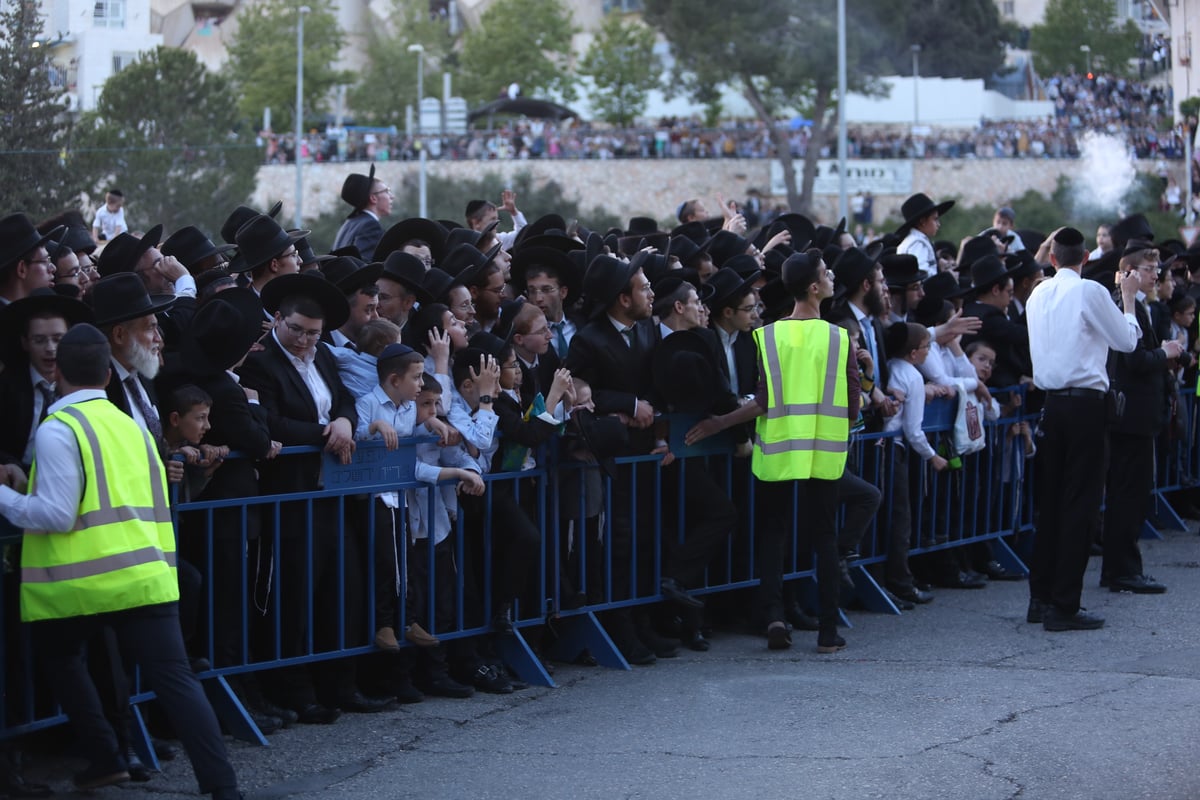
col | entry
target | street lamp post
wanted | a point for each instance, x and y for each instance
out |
(843, 200)
(916, 54)
(1087, 55)
(420, 51)
(299, 110)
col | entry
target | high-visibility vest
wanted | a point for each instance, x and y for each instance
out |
(806, 430)
(120, 554)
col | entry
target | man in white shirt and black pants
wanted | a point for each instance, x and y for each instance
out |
(1072, 325)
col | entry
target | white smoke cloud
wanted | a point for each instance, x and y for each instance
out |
(1106, 173)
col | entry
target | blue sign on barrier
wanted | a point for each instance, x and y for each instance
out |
(374, 468)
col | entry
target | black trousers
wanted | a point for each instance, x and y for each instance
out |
(149, 637)
(709, 519)
(897, 574)
(862, 502)
(224, 573)
(817, 501)
(1071, 442)
(1126, 502)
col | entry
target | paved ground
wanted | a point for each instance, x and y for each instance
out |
(960, 699)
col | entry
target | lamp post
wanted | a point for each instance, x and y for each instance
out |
(300, 110)
(843, 200)
(1087, 55)
(420, 51)
(916, 54)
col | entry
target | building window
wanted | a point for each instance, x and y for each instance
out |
(1008, 8)
(109, 14)
(622, 6)
(122, 60)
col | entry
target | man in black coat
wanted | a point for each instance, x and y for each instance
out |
(1139, 380)
(992, 284)
(371, 201)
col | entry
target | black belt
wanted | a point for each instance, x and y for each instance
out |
(1074, 391)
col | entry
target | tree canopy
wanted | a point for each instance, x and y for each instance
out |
(967, 41)
(522, 41)
(166, 130)
(1069, 25)
(623, 69)
(262, 59)
(33, 113)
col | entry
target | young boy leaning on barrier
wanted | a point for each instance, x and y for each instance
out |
(187, 410)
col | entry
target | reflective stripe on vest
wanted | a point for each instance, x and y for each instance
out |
(804, 360)
(120, 552)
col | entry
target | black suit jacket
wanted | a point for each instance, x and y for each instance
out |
(292, 413)
(618, 373)
(16, 408)
(539, 379)
(361, 230)
(745, 358)
(1142, 377)
(1010, 340)
(116, 393)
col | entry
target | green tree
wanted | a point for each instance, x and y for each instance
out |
(166, 130)
(1071, 24)
(967, 42)
(782, 55)
(33, 113)
(389, 80)
(526, 41)
(623, 68)
(262, 59)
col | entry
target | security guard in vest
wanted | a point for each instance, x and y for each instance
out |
(807, 395)
(99, 549)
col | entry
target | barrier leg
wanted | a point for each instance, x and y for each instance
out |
(141, 740)
(1165, 516)
(1008, 557)
(1149, 531)
(230, 711)
(584, 632)
(870, 593)
(517, 654)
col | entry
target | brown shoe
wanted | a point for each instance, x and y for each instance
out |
(385, 639)
(420, 637)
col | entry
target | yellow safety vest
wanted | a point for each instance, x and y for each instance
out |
(120, 554)
(806, 429)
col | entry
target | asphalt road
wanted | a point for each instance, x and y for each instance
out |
(959, 699)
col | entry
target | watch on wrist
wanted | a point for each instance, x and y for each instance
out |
(485, 398)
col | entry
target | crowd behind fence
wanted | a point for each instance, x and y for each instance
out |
(987, 499)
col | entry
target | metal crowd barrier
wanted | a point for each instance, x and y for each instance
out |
(571, 504)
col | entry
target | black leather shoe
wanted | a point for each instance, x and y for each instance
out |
(502, 623)
(995, 571)
(138, 771)
(317, 714)
(963, 580)
(696, 641)
(676, 594)
(285, 715)
(445, 686)
(778, 636)
(799, 620)
(830, 642)
(358, 703)
(913, 595)
(406, 693)
(13, 784)
(897, 601)
(1055, 620)
(488, 679)
(638, 654)
(1037, 610)
(265, 723)
(660, 646)
(1138, 584)
(164, 750)
(97, 777)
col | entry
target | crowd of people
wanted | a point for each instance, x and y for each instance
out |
(542, 345)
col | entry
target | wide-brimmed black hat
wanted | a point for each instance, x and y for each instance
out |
(240, 216)
(975, 248)
(548, 258)
(465, 262)
(745, 265)
(667, 285)
(643, 232)
(686, 250)
(461, 235)
(222, 331)
(406, 230)
(917, 206)
(606, 277)
(987, 272)
(900, 270)
(685, 375)
(262, 239)
(801, 227)
(356, 189)
(941, 287)
(593, 245)
(552, 240)
(944, 245)
(408, 271)
(853, 267)
(727, 287)
(437, 284)
(1135, 226)
(18, 236)
(14, 317)
(313, 286)
(125, 250)
(1023, 264)
(694, 230)
(122, 297)
(79, 240)
(489, 343)
(190, 246)
(350, 274)
(544, 223)
(725, 245)
(825, 235)
(308, 255)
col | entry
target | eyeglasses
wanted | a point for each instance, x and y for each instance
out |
(73, 273)
(535, 291)
(293, 254)
(302, 333)
(757, 307)
(43, 261)
(384, 190)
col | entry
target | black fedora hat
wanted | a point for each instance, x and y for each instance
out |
(17, 237)
(801, 227)
(556, 241)
(901, 270)
(725, 245)
(308, 255)
(466, 266)
(1135, 226)
(853, 266)
(78, 239)
(694, 230)
(539, 226)
(430, 231)
(824, 235)
(987, 272)
(548, 258)
(975, 248)
(240, 216)
(686, 250)
(262, 239)
(122, 297)
(489, 343)
(593, 246)
(606, 278)
(222, 331)
(437, 284)
(746, 266)
(356, 189)
(461, 235)
(408, 271)
(727, 287)
(945, 246)
(685, 375)
(15, 317)
(350, 274)
(190, 245)
(941, 287)
(125, 250)
(917, 206)
(313, 286)
(666, 285)
(1023, 264)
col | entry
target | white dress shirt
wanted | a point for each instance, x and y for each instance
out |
(918, 244)
(135, 406)
(321, 394)
(727, 339)
(53, 503)
(1072, 325)
(506, 239)
(376, 406)
(911, 419)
